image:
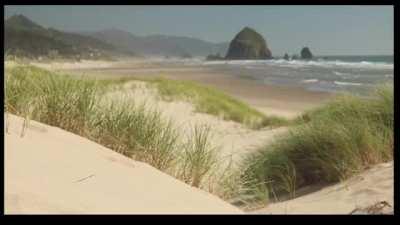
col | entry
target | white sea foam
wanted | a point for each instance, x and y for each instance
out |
(302, 63)
(341, 74)
(309, 81)
(347, 83)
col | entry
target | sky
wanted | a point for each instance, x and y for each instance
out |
(327, 30)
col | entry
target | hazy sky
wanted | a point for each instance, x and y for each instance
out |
(327, 30)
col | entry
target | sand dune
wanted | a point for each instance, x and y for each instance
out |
(53, 171)
(352, 196)
(232, 139)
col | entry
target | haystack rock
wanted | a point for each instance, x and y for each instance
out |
(248, 44)
(306, 53)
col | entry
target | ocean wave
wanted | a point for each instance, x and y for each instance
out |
(282, 63)
(341, 74)
(310, 81)
(302, 63)
(338, 63)
(347, 83)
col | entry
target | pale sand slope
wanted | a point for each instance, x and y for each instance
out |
(94, 64)
(50, 170)
(231, 139)
(361, 191)
(84, 64)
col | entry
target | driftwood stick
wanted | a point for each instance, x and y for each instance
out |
(84, 178)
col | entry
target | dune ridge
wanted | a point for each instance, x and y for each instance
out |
(63, 173)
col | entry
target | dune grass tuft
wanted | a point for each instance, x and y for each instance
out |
(335, 142)
(136, 132)
(198, 157)
(56, 100)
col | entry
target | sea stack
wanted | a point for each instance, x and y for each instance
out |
(248, 44)
(286, 57)
(306, 53)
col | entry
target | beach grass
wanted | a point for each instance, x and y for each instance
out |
(79, 105)
(212, 101)
(56, 100)
(207, 100)
(136, 132)
(333, 143)
(199, 157)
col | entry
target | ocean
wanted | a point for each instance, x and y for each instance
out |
(355, 74)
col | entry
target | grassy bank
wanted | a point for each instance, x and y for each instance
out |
(212, 101)
(77, 105)
(333, 143)
(206, 100)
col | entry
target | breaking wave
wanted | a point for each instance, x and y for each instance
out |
(302, 63)
(347, 83)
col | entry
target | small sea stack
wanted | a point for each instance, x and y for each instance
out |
(286, 56)
(306, 53)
